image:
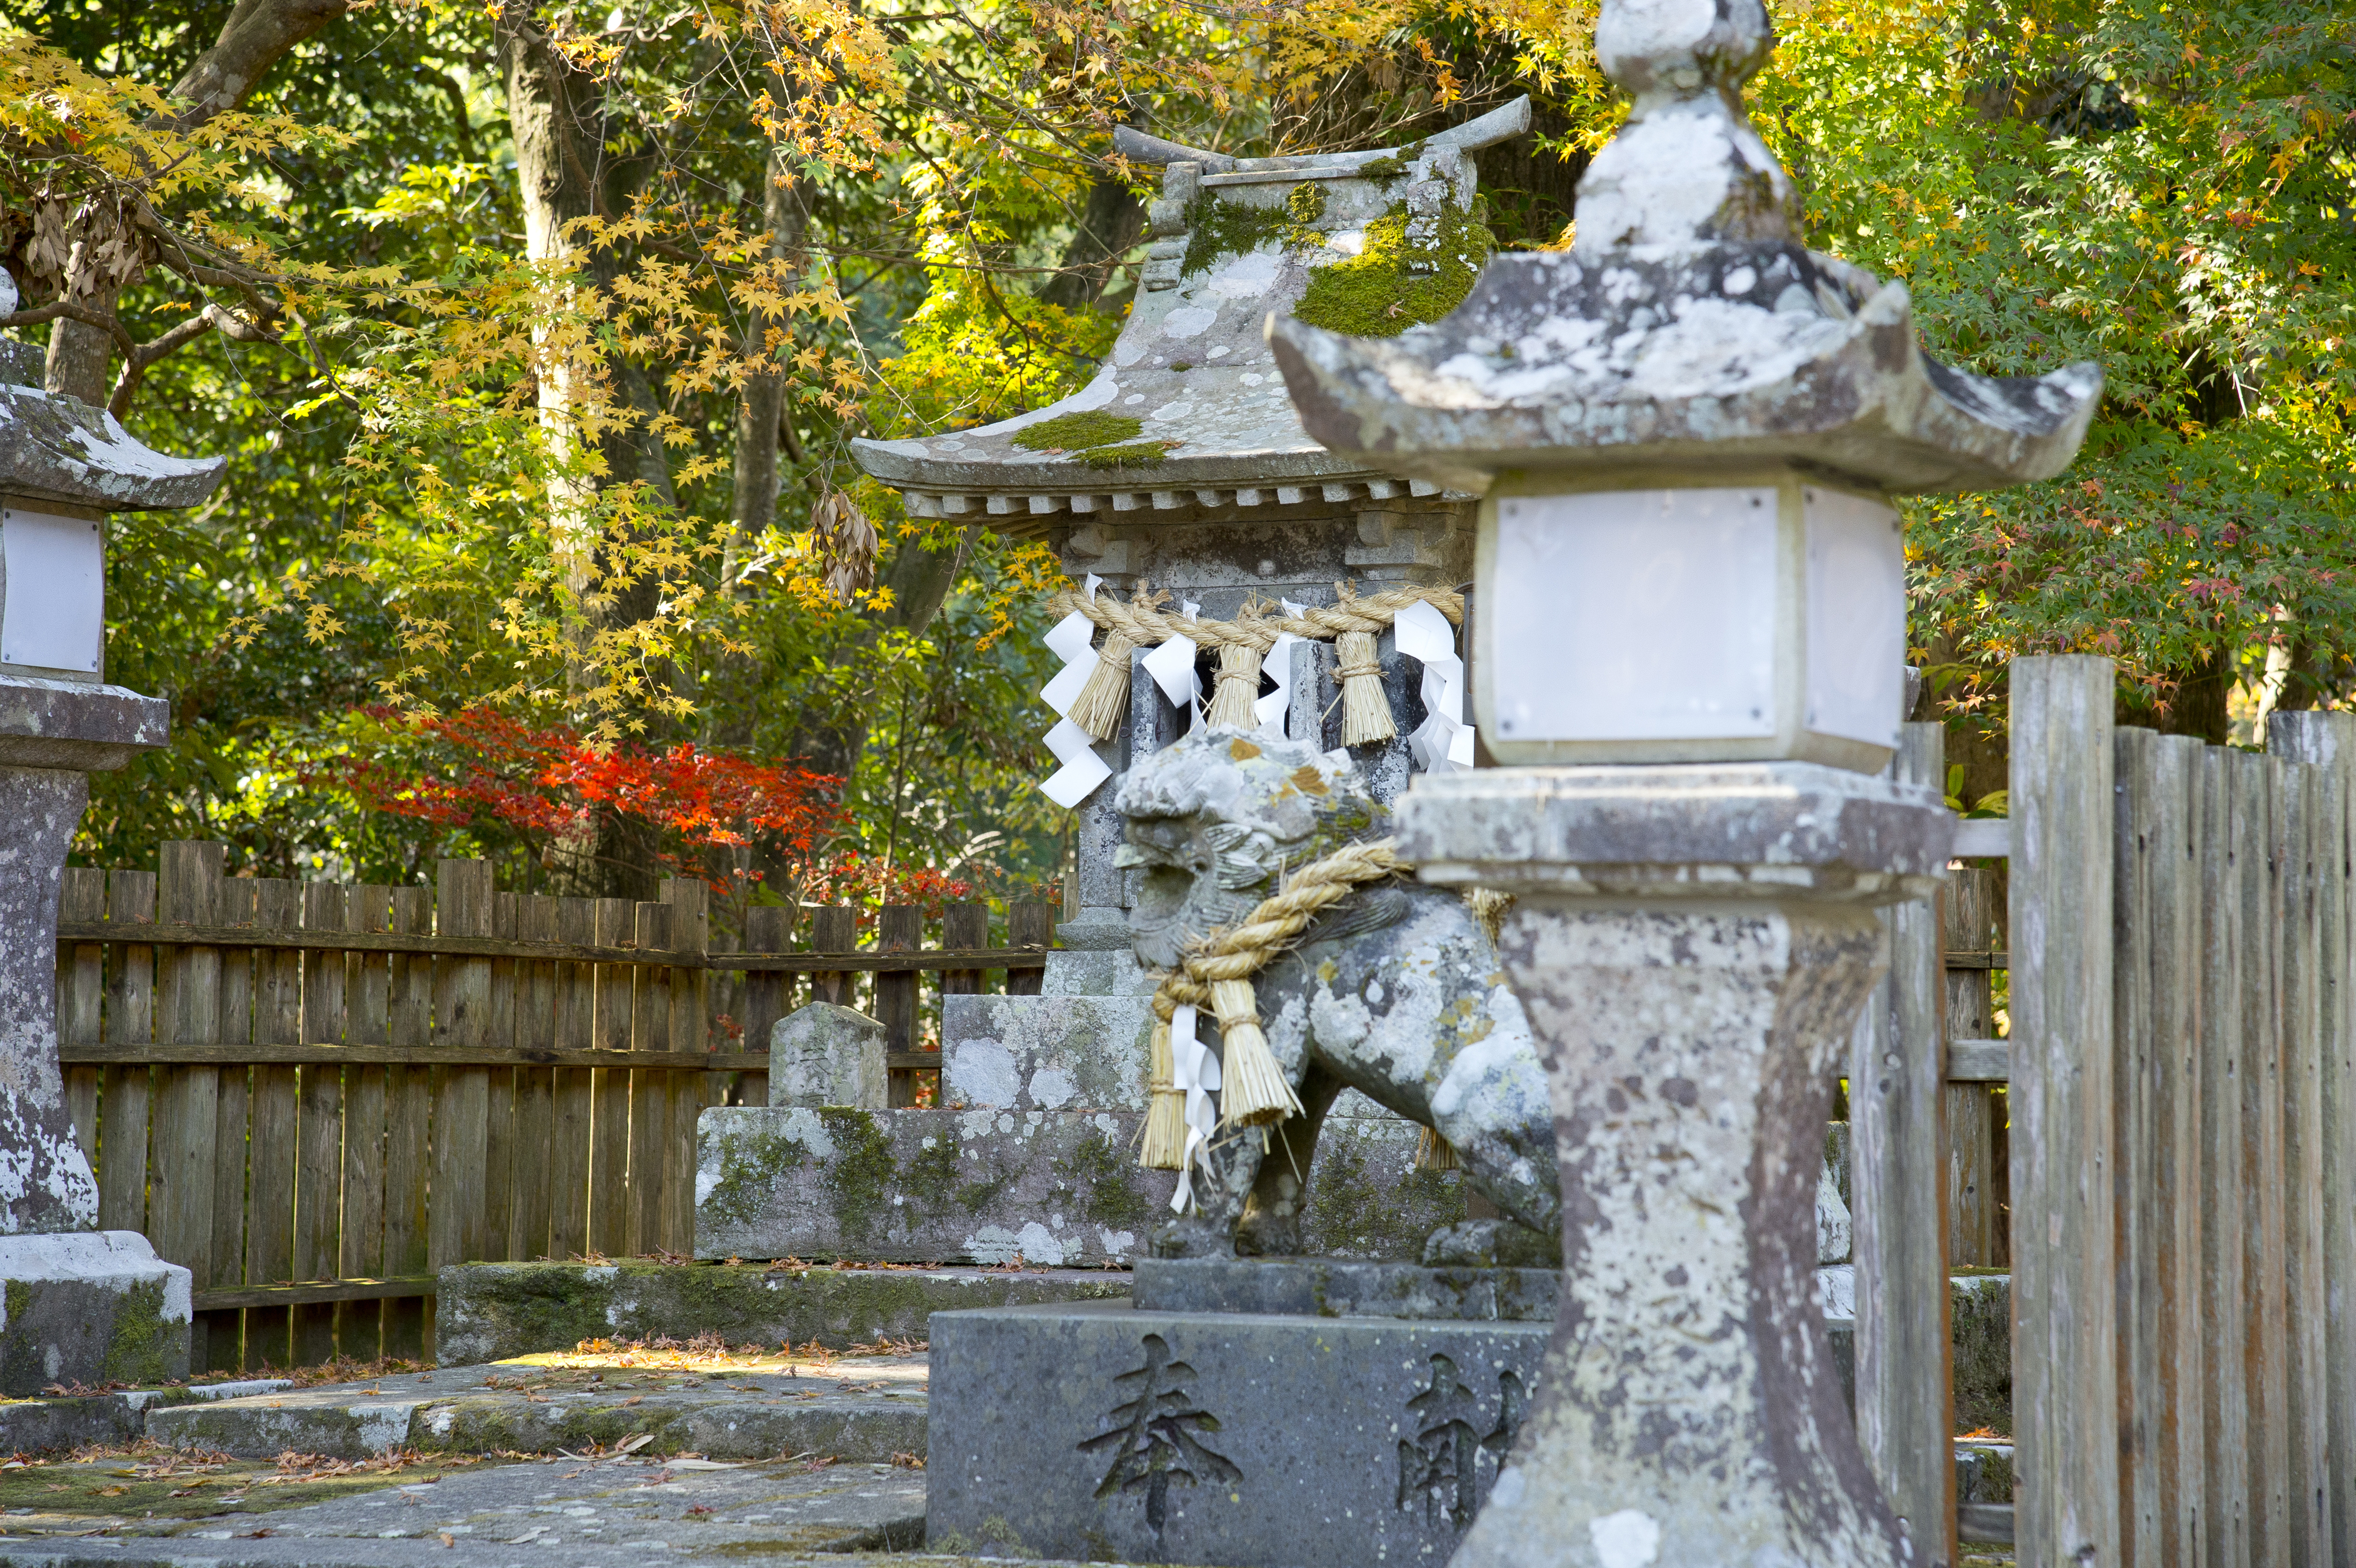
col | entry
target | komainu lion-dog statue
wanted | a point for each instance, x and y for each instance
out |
(1396, 992)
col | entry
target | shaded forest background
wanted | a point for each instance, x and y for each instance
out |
(536, 335)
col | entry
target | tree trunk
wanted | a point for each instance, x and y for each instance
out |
(81, 355)
(761, 409)
(256, 38)
(1110, 224)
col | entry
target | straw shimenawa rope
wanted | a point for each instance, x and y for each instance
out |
(1217, 976)
(1353, 621)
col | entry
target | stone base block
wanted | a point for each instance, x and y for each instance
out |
(1107, 1433)
(1045, 1053)
(1337, 1287)
(488, 1312)
(1059, 1190)
(90, 1308)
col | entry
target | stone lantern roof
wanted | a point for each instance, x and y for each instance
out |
(1687, 329)
(1189, 411)
(59, 449)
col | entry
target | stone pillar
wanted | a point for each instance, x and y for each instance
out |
(77, 1305)
(1692, 944)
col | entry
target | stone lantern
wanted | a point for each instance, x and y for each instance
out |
(1684, 431)
(84, 1305)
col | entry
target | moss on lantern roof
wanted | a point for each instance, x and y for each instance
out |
(1067, 432)
(1395, 281)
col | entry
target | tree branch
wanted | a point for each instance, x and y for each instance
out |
(257, 33)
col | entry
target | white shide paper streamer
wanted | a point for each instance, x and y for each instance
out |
(1278, 667)
(1082, 769)
(1443, 742)
(1194, 1069)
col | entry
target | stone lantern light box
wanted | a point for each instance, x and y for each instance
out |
(1737, 621)
(53, 601)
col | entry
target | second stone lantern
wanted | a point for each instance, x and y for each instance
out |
(1686, 430)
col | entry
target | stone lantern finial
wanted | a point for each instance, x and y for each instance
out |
(1687, 170)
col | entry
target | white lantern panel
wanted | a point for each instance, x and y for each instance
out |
(53, 613)
(1633, 615)
(1856, 616)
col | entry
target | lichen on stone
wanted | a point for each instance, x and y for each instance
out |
(1396, 281)
(1069, 431)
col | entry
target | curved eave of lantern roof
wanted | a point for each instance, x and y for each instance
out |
(1191, 362)
(58, 448)
(1686, 327)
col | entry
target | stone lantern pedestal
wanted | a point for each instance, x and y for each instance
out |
(82, 1305)
(1692, 944)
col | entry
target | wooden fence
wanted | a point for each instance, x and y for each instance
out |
(315, 1096)
(2182, 1078)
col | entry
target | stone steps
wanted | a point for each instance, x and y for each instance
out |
(560, 1512)
(863, 1411)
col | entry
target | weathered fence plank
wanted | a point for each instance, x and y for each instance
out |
(2227, 1492)
(1968, 920)
(1031, 924)
(126, 1092)
(1896, 1078)
(181, 1168)
(609, 1179)
(576, 1021)
(2065, 1382)
(319, 1164)
(409, 1107)
(535, 1087)
(2328, 741)
(455, 1221)
(899, 927)
(359, 1243)
(2265, 1367)
(650, 1088)
(81, 997)
(834, 929)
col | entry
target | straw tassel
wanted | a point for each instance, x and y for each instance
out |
(1165, 1121)
(1434, 1152)
(1366, 711)
(1103, 703)
(1237, 688)
(1253, 1091)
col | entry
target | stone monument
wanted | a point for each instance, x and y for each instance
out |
(1685, 430)
(83, 1305)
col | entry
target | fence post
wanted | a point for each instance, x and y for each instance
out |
(900, 929)
(1897, 1085)
(1029, 925)
(1968, 932)
(834, 929)
(180, 1206)
(2065, 1378)
(2328, 741)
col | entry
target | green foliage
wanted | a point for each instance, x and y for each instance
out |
(2162, 189)
(1408, 274)
(1093, 427)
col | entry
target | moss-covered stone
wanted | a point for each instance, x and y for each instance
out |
(1136, 455)
(141, 1346)
(1980, 1326)
(859, 1179)
(490, 1312)
(1107, 1175)
(1367, 1200)
(746, 1165)
(1068, 431)
(1407, 275)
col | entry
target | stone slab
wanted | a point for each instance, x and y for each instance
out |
(490, 1312)
(1336, 1287)
(1046, 1053)
(50, 1425)
(47, 722)
(1111, 1432)
(560, 1512)
(823, 1054)
(93, 1307)
(1059, 1189)
(859, 1411)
